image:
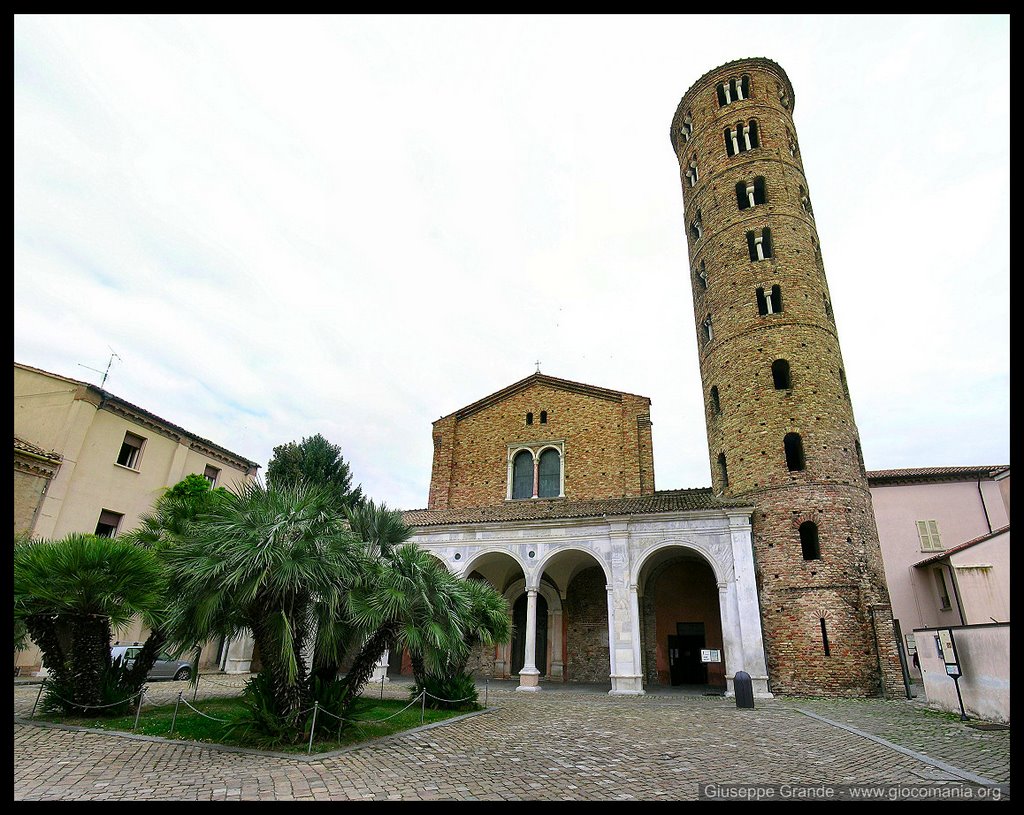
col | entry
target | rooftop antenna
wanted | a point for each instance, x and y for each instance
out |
(109, 363)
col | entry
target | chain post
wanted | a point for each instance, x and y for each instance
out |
(196, 691)
(312, 728)
(423, 705)
(42, 685)
(174, 717)
(142, 693)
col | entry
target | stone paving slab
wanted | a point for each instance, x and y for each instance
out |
(561, 744)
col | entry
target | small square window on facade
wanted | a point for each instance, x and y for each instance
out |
(108, 524)
(131, 450)
(928, 533)
(211, 474)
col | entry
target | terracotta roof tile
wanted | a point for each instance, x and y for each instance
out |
(28, 447)
(924, 474)
(544, 509)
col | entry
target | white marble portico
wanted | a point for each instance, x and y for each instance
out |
(621, 546)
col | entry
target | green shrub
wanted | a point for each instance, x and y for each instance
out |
(449, 692)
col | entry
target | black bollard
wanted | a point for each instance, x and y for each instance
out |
(744, 689)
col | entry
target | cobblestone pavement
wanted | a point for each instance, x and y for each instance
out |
(562, 743)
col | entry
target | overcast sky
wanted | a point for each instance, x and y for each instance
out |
(353, 225)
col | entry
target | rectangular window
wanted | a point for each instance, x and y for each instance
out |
(940, 584)
(131, 450)
(211, 474)
(108, 523)
(928, 532)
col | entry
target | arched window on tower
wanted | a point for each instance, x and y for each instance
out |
(702, 276)
(750, 193)
(691, 170)
(522, 475)
(780, 375)
(716, 406)
(735, 90)
(723, 472)
(707, 333)
(794, 451)
(686, 128)
(860, 457)
(697, 227)
(805, 202)
(828, 306)
(769, 302)
(842, 379)
(549, 474)
(809, 541)
(760, 246)
(744, 137)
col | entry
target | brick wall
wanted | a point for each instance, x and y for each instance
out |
(607, 442)
(586, 630)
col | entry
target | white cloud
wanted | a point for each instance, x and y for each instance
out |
(356, 224)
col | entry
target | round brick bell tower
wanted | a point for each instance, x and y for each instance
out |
(780, 424)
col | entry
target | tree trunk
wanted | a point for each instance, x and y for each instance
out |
(90, 658)
(383, 639)
(136, 677)
(43, 630)
(288, 696)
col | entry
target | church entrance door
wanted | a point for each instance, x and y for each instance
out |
(684, 647)
(519, 635)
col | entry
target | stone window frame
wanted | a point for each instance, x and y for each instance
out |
(535, 449)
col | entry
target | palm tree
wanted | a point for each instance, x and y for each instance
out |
(171, 519)
(489, 621)
(71, 593)
(269, 559)
(381, 530)
(408, 600)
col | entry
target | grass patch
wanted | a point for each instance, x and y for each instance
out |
(375, 718)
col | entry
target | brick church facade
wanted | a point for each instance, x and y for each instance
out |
(546, 488)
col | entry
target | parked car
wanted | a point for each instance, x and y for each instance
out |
(165, 667)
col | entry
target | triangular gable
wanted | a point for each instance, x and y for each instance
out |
(540, 379)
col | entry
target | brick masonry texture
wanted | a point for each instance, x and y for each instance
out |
(586, 636)
(846, 586)
(606, 436)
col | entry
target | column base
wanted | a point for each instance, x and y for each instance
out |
(529, 680)
(758, 684)
(627, 686)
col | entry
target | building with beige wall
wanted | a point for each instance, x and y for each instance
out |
(945, 538)
(88, 461)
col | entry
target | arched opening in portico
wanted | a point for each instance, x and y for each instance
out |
(681, 620)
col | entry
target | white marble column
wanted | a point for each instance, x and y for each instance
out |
(747, 606)
(380, 671)
(529, 676)
(239, 659)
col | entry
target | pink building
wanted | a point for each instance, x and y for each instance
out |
(945, 538)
